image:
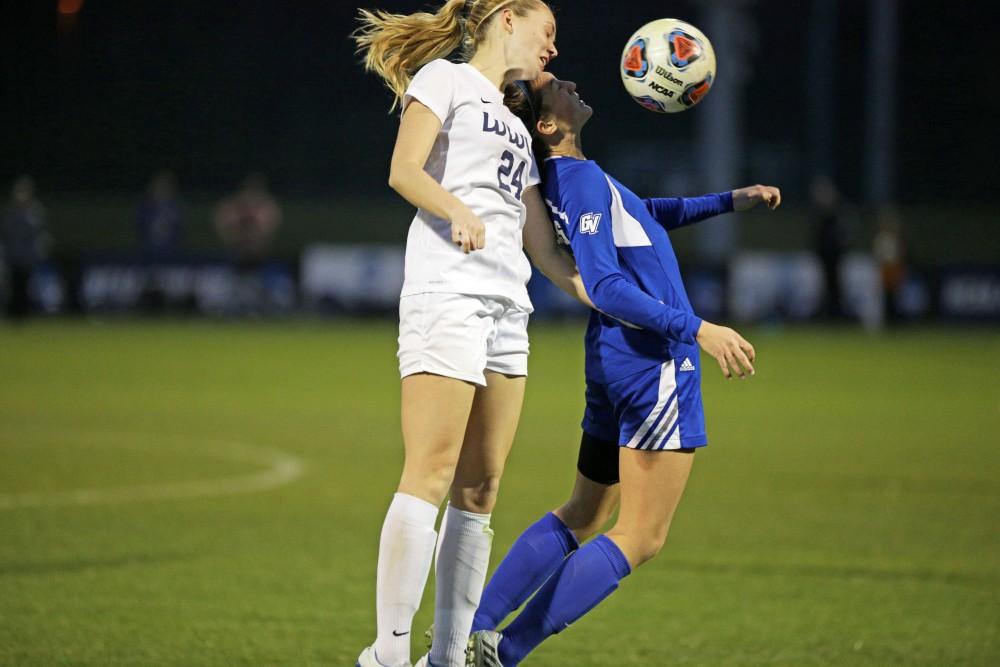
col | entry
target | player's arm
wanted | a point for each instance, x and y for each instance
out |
(418, 129)
(674, 212)
(539, 239)
(616, 296)
(588, 207)
(733, 352)
(750, 196)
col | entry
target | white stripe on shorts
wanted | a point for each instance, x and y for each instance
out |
(668, 384)
(655, 442)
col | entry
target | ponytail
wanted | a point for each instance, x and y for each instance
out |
(395, 46)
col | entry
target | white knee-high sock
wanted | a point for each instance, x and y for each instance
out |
(463, 556)
(405, 551)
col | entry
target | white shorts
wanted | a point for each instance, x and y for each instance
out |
(462, 336)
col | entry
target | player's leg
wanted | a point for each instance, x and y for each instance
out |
(434, 412)
(540, 549)
(648, 417)
(652, 486)
(466, 537)
(441, 354)
(655, 462)
(489, 436)
(464, 547)
(652, 483)
(596, 491)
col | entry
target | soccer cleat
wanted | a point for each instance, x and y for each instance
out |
(425, 661)
(367, 659)
(482, 651)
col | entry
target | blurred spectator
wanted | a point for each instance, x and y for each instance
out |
(247, 221)
(889, 248)
(160, 219)
(830, 242)
(25, 240)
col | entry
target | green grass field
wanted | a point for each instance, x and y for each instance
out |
(197, 494)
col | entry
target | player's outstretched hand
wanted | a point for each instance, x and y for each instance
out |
(467, 231)
(734, 354)
(749, 197)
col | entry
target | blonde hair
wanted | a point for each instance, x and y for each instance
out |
(395, 46)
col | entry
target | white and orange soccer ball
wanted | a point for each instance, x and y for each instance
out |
(668, 66)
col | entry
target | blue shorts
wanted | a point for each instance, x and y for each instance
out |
(655, 409)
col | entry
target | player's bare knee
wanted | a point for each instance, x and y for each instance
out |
(650, 547)
(639, 545)
(479, 497)
(432, 476)
(580, 517)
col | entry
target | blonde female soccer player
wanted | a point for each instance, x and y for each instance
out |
(465, 161)
(643, 418)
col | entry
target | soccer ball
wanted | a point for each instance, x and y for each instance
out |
(668, 66)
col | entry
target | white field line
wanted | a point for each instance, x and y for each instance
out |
(281, 469)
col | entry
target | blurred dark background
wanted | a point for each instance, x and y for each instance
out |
(890, 102)
(212, 89)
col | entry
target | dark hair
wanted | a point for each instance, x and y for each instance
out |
(526, 103)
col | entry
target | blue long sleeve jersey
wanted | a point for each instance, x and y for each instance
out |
(628, 265)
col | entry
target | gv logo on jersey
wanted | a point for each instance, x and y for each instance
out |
(589, 223)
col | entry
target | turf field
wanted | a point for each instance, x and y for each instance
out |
(197, 494)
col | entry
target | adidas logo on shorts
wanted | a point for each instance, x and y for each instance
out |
(687, 365)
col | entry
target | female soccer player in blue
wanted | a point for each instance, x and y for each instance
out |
(643, 418)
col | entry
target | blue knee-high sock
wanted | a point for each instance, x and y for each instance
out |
(534, 557)
(577, 586)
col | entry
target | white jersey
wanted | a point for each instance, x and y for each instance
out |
(482, 156)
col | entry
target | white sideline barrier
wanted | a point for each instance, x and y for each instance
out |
(352, 276)
(771, 285)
